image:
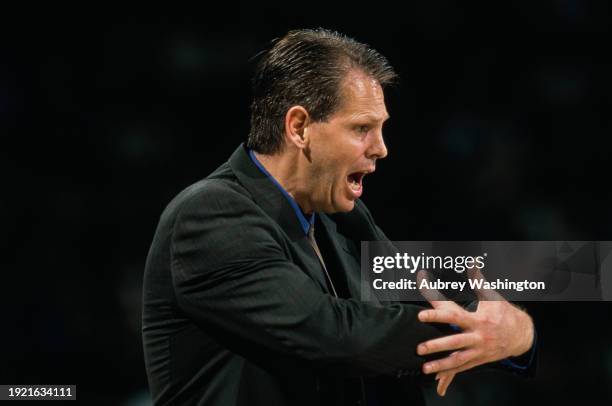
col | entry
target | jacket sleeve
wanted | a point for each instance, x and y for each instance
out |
(230, 270)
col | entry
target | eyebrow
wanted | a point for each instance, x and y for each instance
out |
(371, 117)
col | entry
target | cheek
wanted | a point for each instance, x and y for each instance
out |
(330, 178)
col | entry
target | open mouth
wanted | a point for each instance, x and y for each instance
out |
(355, 182)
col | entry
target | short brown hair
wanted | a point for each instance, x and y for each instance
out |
(306, 68)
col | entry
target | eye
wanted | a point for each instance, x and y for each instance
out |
(363, 128)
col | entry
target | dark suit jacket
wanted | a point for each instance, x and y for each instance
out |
(237, 311)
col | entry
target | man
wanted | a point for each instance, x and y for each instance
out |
(252, 282)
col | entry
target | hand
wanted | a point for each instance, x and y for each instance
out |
(497, 330)
(478, 343)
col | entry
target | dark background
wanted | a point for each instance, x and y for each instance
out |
(500, 130)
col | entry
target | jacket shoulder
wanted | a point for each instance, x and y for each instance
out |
(220, 187)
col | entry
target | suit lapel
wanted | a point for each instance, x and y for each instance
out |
(347, 255)
(267, 195)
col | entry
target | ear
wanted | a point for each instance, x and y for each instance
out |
(296, 120)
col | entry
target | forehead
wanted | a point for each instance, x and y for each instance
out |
(362, 96)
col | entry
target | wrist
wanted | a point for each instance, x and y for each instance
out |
(526, 330)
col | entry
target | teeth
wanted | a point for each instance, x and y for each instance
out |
(354, 185)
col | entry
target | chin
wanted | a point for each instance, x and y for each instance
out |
(345, 206)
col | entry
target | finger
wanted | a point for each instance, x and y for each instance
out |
(465, 367)
(453, 361)
(446, 312)
(444, 383)
(447, 343)
(474, 273)
(431, 295)
(445, 380)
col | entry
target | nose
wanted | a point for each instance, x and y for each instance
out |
(377, 149)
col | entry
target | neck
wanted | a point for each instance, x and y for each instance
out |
(287, 168)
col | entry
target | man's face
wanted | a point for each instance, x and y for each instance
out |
(345, 148)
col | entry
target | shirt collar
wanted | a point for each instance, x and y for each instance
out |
(306, 223)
